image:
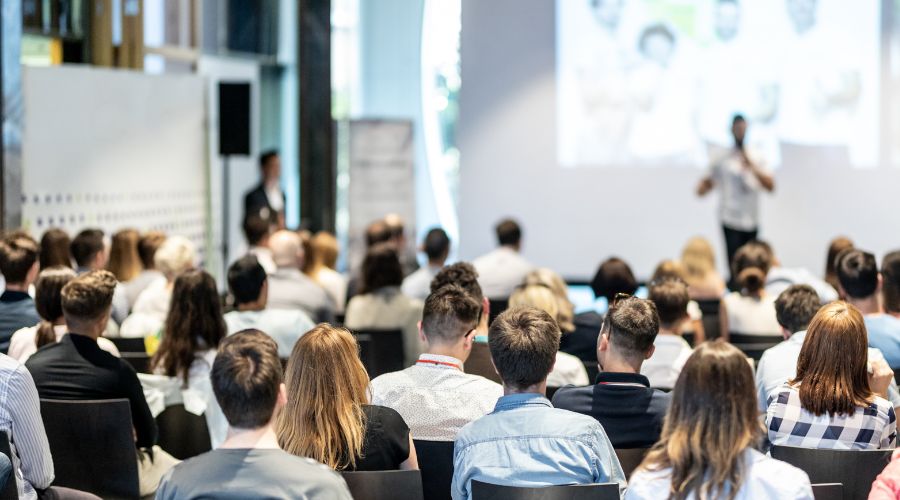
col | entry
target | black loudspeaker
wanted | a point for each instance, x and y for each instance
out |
(234, 118)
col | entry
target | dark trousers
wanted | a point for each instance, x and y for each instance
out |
(734, 239)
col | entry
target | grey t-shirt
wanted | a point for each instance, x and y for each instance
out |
(251, 474)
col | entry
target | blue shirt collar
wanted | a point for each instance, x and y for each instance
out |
(514, 401)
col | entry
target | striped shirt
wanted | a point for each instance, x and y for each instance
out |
(20, 419)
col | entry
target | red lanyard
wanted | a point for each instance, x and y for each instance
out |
(439, 363)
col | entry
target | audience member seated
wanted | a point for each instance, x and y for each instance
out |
(247, 382)
(289, 288)
(833, 402)
(434, 396)
(19, 266)
(751, 311)
(567, 369)
(327, 416)
(257, 232)
(76, 368)
(376, 233)
(91, 253)
(708, 445)
(147, 246)
(382, 306)
(525, 441)
(437, 248)
(322, 268)
(699, 261)
(193, 331)
(670, 350)
(779, 278)
(887, 485)
(175, 256)
(55, 249)
(860, 285)
(407, 255)
(622, 401)
(464, 275)
(124, 261)
(48, 301)
(673, 270)
(249, 287)
(835, 248)
(502, 270)
(549, 279)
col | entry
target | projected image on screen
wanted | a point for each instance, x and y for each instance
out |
(656, 82)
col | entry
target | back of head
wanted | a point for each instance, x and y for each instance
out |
(836, 246)
(124, 261)
(538, 297)
(462, 274)
(437, 245)
(508, 233)
(48, 300)
(550, 279)
(148, 244)
(698, 258)
(613, 277)
(256, 229)
(857, 272)
(751, 265)
(246, 377)
(890, 277)
(449, 314)
(85, 246)
(325, 249)
(18, 255)
(796, 306)
(381, 268)
(832, 367)
(523, 343)
(308, 252)
(395, 225)
(286, 248)
(631, 325)
(55, 249)
(88, 298)
(712, 420)
(377, 232)
(669, 270)
(326, 386)
(246, 278)
(176, 255)
(670, 296)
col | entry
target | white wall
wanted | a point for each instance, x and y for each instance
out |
(574, 218)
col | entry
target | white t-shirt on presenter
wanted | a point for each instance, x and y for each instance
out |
(738, 189)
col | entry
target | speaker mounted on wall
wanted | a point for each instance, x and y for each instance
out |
(234, 118)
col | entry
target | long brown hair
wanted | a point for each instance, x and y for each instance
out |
(55, 249)
(48, 301)
(194, 323)
(326, 390)
(836, 246)
(831, 369)
(124, 261)
(712, 419)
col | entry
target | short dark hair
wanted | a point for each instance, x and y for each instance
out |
(449, 314)
(654, 29)
(737, 118)
(671, 298)
(381, 268)
(18, 253)
(796, 306)
(632, 325)
(890, 286)
(246, 377)
(86, 245)
(613, 277)
(437, 244)
(255, 229)
(508, 232)
(523, 343)
(462, 274)
(378, 232)
(751, 264)
(266, 156)
(245, 279)
(148, 244)
(88, 297)
(55, 249)
(857, 272)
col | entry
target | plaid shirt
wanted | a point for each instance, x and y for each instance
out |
(789, 424)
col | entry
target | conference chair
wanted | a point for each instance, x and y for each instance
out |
(488, 491)
(381, 351)
(828, 491)
(497, 307)
(592, 370)
(550, 392)
(854, 469)
(436, 466)
(710, 309)
(385, 485)
(10, 489)
(479, 362)
(630, 458)
(181, 433)
(134, 351)
(754, 345)
(92, 443)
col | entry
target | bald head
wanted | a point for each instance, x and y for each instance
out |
(287, 251)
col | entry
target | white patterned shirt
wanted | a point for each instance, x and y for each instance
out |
(435, 397)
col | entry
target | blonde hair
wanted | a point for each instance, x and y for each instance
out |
(536, 296)
(175, 256)
(124, 260)
(325, 250)
(326, 390)
(550, 279)
(698, 259)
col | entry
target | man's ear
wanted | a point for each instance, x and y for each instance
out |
(603, 343)
(650, 352)
(421, 333)
(282, 396)
(786, 333)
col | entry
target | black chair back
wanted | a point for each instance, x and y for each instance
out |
(828, 491)
(128, 344)
(134, 352)
(711, 310)
(92, 443)
(479, 362)
(436, 466)
(385, 485)
(381, 351)
(592, 370)
(690, 338)
(855, 469)
(488, 491)
(9, 490)
(181, 433)
(897, 375)
(550, 392)
(497, 307)
(754, 345)
(630, 458)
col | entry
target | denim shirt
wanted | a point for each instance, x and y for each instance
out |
(527, 442)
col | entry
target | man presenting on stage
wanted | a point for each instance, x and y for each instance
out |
(740, 175)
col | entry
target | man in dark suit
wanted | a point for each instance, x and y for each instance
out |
(267, 200)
